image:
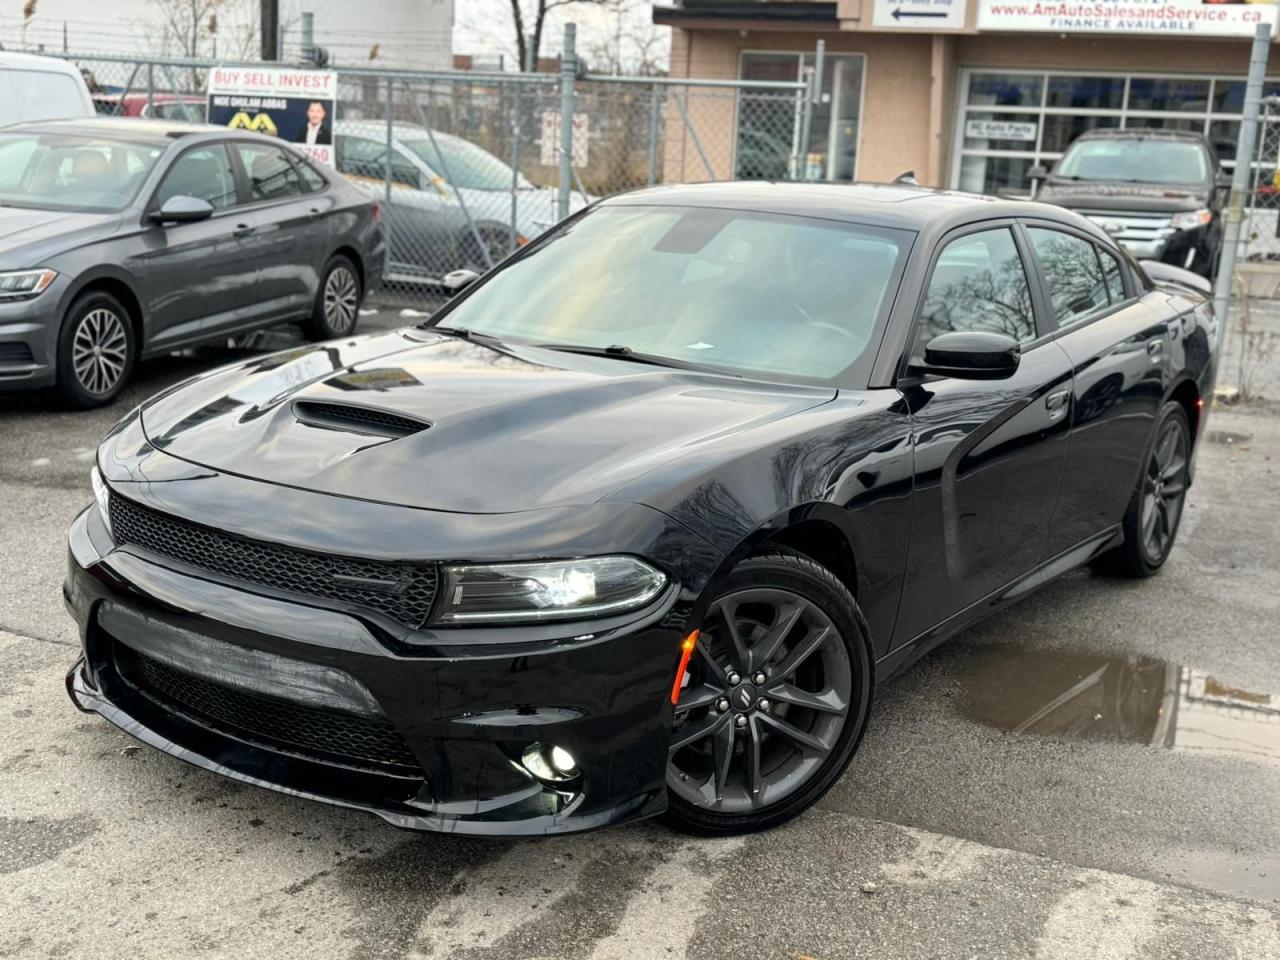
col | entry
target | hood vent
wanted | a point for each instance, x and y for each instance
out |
(357, 419)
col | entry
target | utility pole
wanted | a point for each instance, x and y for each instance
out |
(269, 14)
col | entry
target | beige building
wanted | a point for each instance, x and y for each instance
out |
(969, 94)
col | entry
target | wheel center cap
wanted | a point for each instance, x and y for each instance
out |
(744, 696)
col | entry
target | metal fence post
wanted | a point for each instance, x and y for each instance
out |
(1240, 178)
(653, 135)
(151, 86)
(308, 37)
(391, 99)
(568, 74)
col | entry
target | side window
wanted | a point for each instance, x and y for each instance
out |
(361, 157)
(204, 173)
(271, 175)
(1111, 274)
(310, 175)
(978, 283)
(1073, 272)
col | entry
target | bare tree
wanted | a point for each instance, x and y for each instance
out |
(185, 24)
(527, 14)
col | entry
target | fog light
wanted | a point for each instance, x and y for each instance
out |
(549, 762)
(563, 761)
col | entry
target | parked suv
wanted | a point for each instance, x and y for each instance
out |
(1157, 192)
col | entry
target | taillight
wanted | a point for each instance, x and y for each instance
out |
(376, 210)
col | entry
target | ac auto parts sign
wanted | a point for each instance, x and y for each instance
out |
(1168, 17)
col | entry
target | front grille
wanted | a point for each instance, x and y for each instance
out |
(1140, 229)
(402, 591)
(15, 355)
(360, 419)
(324, 735)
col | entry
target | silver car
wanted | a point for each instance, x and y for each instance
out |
(122, 239)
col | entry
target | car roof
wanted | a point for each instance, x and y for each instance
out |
(31, 61)
(379, 127)
(1143, 133)
(132, 129)
(900, 205)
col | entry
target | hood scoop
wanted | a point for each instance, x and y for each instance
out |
(354, 418)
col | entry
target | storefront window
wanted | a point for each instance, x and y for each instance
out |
(1093, 93)
(768, 124)
(1167, 93)
(1008, 122)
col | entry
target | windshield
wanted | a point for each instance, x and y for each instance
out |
(795, 297)
(465, 165)
(69, 172)
(1140, 160)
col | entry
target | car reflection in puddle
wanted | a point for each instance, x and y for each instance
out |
(1131, 698)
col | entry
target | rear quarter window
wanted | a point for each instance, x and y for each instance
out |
(43, 95)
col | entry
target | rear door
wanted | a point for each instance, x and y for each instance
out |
(291, 237)
(1118, 345)
(989, 454)
(202, 276)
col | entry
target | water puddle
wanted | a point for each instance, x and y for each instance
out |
(1132, 699)
(1227, 437)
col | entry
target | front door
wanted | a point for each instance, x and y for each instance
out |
(989, 455)
(202, 276)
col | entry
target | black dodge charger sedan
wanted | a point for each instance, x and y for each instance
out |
(639, 520)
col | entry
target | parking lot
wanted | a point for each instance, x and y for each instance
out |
(1092, 773)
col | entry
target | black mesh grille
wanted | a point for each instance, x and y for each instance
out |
(402, 591)
(325, 735)
(359, 418)
(15, 354)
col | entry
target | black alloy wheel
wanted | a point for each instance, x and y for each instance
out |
(1151, 522)
(775, 700)
(96, 351)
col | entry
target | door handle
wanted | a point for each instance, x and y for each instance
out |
(242, 230)
(1056, 403)
(313, 213)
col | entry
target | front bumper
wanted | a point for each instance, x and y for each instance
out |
(29, 339)
(465, 714)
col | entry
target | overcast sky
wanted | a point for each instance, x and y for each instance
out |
(485, 27)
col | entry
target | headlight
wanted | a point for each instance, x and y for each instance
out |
(24, 283)
(561, 589)
(101, 494)
(1191, 219)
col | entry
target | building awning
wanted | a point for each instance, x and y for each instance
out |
(807, 11)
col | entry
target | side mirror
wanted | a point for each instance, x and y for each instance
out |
(1037, 175)
(183, 209)
(972, 355)
(458, 280)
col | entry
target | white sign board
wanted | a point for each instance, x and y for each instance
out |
(1000, 130)
(919, 14)
(551, 139)
(1175, 18)
(286, 102)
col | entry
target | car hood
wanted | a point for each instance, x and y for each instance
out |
(27, 237)
(502, 430)
(1135, 197)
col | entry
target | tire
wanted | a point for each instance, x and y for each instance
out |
(97, 351)
(337, 308)
(729, 775)
(1159, 498)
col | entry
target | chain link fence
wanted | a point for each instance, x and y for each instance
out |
(467, 166)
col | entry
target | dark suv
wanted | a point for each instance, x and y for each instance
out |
(1157, 192)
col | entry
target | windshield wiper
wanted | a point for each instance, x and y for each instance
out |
(619, 351)
(462, 333)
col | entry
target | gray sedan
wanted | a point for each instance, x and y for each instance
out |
(122, 239)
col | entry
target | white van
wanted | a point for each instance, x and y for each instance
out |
(41, 88)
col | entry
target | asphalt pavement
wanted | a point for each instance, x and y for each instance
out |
(1094, 772)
